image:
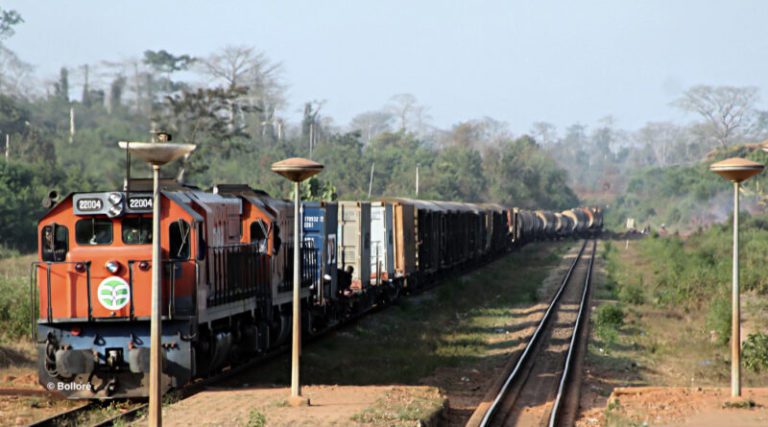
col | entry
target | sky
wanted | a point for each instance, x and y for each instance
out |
(515, 61)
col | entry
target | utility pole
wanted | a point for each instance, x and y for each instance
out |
(370, 182)
(71, 124)
(417, 179)
(7, 146)
(311, 137)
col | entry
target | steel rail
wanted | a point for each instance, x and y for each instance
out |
(554, 415)
(66, 417)
(531, 343)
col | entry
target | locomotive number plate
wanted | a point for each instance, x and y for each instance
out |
(90, 205)
(140, 203)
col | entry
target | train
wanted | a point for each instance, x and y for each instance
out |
(227, 262)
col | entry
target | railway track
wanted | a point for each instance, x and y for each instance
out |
(541, 388)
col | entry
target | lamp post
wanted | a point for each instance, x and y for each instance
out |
(296, 170)
(736, 170)
(156, 154)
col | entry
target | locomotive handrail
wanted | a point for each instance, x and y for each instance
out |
(171, 282)
(34, 300)
(48, 264)
(237, 271)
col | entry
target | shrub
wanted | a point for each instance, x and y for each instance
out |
(755, 352)
(15, 309)
(256, 419)
(632, 294)
(609, 316)
(719, 318)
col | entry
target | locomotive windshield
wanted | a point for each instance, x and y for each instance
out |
(93, 231)
(137, 231)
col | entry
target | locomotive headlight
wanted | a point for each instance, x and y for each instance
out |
(115, 198)
(115, 211)
(112, 266)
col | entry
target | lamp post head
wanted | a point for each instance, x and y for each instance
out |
(297, 169)
(736, 169)
(157, 153)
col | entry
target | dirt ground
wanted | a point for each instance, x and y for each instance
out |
(664, 369)
(22, 400)
(329, 406)
(681, 406)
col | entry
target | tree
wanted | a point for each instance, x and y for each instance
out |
(244, 67)
(309, 123)
(201, 113)
(164, 62)
(660, 137)
(521, 174)
(727, 110)
(61, 88)
(457, 175)
(342, 155)
(8, 20)
(371, 124)
(14, 74)
(545, 133)
(412, 116)
(116, 90)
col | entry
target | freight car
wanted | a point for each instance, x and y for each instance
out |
(227, 262)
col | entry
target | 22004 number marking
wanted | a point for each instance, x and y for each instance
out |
(89, 205)
(140, 203)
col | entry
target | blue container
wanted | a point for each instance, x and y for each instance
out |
(319, 225)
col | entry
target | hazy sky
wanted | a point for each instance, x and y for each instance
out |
(516, 61)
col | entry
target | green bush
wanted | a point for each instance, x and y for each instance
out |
(632, 294)
(256, 419)
(755, 352)
(609, 316)
(719, 318)
(608, 320)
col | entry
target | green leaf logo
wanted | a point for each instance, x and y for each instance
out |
(114, 293)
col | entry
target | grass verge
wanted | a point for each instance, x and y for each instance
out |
(402, 407)
(465, 320)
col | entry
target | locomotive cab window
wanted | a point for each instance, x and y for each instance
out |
(259, 235)
(93, 231)
(179, 232)
(54, 243)
(137, 231)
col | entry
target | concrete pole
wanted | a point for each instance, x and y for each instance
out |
(155, 351)
(370, 181)
(417, 180)
(736, 313)
(295, 386)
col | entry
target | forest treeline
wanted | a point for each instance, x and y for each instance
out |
(62, 135)
(61, 132)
